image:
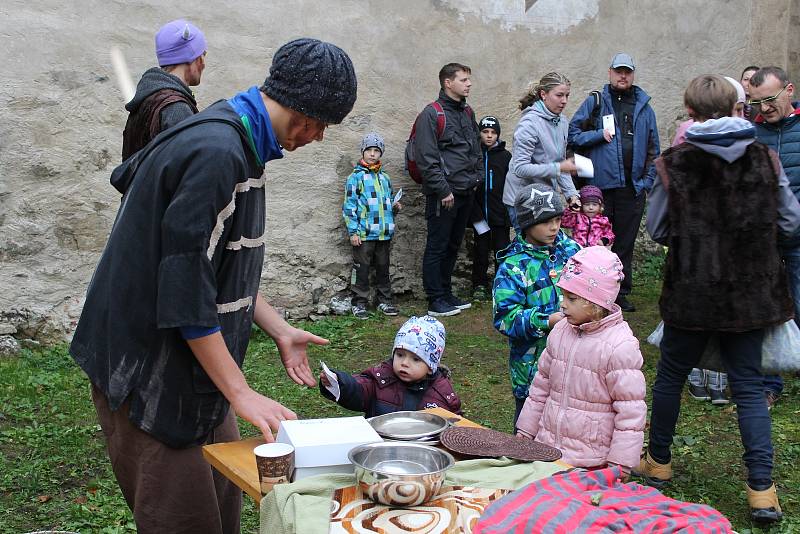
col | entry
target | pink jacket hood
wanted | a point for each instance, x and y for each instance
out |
(587, 398)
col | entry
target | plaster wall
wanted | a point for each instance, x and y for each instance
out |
(61, 112)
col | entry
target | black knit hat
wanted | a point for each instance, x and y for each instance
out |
(314, 78)
(490, 122)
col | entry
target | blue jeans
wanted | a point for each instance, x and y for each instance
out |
(741, 355)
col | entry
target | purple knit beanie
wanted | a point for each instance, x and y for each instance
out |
(591, 193)
(179, 42)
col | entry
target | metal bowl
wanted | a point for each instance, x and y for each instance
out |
(398, 473)
(408, 425)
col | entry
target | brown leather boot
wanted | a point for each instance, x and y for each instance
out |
(764, 507)
(653, 473)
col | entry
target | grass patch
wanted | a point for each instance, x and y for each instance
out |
(54, 472)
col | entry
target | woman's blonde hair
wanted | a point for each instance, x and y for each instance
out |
(549, 81)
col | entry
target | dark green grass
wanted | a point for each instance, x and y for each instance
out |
(54, 472)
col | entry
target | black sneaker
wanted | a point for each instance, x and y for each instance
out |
(360, 312)
(718, 397)
(388, 309)
(457, 302)
(625, 304)
(699, 392)
(441, 308)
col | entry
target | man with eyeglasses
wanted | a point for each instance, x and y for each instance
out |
(169, 310)
(778, 126)
(163, 96)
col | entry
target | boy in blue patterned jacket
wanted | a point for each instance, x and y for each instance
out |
(368, 212)
(526, 299)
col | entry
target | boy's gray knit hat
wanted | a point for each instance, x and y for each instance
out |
(370, 140)
(537, 203)
(314, 78)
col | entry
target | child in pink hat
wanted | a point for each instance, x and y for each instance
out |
(587, 398)
(589, 226)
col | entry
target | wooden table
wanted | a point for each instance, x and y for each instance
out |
(237, 462)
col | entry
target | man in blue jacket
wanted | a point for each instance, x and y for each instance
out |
(622, 156)
(778, 126)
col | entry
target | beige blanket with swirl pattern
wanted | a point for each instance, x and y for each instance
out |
(455, 510)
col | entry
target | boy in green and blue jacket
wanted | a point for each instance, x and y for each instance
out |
(526, 299)
(368, 212)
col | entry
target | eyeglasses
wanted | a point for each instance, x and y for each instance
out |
(767, 100)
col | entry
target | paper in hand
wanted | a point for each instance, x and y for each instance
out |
(585, 166)
(481, 227)
(398, 196)
(333, 379)
(608, 124)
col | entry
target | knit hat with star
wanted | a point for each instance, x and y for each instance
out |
(314, 78)
(537, 203)
(425, 337)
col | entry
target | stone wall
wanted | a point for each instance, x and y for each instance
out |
(61, 113)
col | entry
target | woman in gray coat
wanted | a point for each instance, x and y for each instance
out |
(540, 143)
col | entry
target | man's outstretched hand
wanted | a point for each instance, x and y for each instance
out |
(293, 350)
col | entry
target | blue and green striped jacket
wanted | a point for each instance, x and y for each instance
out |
(367, 207)
(525, 294)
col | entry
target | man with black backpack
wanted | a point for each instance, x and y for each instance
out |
(447, 152)
(621, 138)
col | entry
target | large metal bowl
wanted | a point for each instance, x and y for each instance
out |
(400, 474)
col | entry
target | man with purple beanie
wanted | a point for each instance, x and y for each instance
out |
(163, 97)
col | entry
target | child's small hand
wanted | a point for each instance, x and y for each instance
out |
(574, 203)
(324, 379)
(554, 318)
(355, 240)
(396, 207)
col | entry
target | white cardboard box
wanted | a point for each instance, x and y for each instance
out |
(321, 445)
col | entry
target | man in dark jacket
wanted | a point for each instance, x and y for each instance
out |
(622, 156)
(489, 216)
(450, 167)
(168, 312)
(778, 126)
(163, 97)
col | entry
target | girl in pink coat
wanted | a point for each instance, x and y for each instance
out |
(587, 398)
(589, 226)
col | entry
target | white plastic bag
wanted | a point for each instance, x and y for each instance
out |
(780, 351)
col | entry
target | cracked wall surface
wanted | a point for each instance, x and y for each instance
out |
(61, 114)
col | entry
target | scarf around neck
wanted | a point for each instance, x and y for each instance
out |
(255, 118)
(374, 167)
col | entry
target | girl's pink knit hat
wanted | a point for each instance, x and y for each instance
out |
(594, 273)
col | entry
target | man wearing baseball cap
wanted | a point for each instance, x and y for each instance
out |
(622, 141)
(168, 313)
(163, 97)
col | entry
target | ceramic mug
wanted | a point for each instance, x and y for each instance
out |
(275, 463)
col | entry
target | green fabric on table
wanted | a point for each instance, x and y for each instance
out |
(304, 506)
